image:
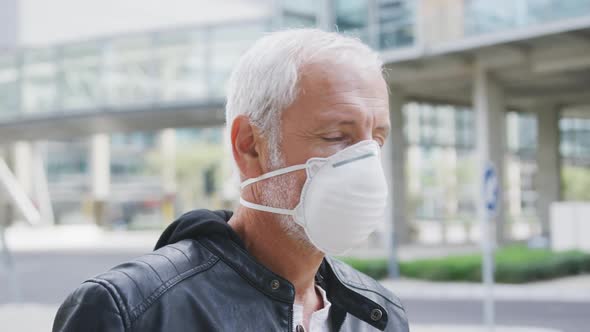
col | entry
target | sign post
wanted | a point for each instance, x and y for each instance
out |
(491, 198)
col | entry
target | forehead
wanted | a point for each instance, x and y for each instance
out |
(328, 89)
(333, 77)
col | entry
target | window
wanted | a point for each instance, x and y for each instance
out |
(9, 89)
(352, 17)
(575, 140)
(396, 23)
(301, 13)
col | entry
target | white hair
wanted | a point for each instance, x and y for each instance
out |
(265, 80)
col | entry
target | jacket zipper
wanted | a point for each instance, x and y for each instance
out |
(291, 319)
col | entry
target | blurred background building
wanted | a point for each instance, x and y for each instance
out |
(115, 117)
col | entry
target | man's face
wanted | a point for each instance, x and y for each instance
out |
(338, 106)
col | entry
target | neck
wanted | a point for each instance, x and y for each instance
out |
(286, 256)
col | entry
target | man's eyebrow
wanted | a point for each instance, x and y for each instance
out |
(384, 128)
(347, 122)
(353, 122)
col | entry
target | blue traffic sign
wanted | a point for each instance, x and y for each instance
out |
(491, 189)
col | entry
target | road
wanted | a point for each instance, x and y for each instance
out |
(47, 277)
(563, 316)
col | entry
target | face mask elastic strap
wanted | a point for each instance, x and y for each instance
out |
(266, 208)
(277, 172)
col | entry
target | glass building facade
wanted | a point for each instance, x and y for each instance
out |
(575, 140)
(300, 14)
(441, 162)
(483, 16)
(183, 65)
(383, 24)
(192, 64)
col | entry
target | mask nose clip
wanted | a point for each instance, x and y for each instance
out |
(313, 167)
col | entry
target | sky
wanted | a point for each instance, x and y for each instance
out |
(43, 22)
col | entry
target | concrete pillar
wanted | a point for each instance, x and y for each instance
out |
(548, 179)
(230, 192)
(326, 18)
(29, 170)
(100, 175)
(23, 165)
(277, 15)
(373, 28)
(41, 184)
(5, 213)
(17, 185)
(513, 191)
(167, 141)
(490, 128)
(447, 177)
(10, 17)
(421, 24)
(395, 164)
(440, 20)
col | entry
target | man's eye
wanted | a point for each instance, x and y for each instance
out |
(334, 139)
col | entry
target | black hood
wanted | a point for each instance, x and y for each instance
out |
(198, 223)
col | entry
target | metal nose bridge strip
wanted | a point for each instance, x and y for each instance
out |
(347, 161)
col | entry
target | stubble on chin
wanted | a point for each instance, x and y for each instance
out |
(278, 192)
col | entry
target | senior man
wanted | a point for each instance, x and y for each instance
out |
(307, 112)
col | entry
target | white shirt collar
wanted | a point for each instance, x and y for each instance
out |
(318, 321)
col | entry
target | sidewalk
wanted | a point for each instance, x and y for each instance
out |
(17, 318)
(78, 240)
(78, 237)
(471, 328)
(569, 289)
(22, 237)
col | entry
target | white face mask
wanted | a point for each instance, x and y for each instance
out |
(342, 201)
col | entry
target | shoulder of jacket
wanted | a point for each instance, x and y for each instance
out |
(370, 288)
(91, 303)
(137, 284)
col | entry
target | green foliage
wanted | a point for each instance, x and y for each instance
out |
(514, 264)
(189, 159)
(374, 267)
(576, 181)
(197, 170)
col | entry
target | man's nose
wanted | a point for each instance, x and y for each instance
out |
(365, 137)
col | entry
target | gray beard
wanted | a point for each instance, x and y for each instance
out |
(279, 190)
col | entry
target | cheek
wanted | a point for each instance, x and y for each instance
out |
(298, 182)
(300, 178)
(295, 185)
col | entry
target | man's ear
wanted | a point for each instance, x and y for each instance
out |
(244, 142)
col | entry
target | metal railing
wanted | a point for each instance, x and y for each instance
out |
(147, 69)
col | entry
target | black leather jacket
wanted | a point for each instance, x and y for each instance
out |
(200, 278)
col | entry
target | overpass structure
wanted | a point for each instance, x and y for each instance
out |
(522, 56)
(149, 81)
(493, 57)
(146, 81)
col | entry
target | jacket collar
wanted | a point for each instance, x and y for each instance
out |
(343, 298)
(210, 228)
